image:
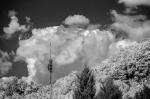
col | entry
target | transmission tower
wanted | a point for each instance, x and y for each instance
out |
(50, 69)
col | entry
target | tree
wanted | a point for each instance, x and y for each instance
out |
(108, 90)
(86, 85)
(133, 63)
(132, 67)
(144, 94)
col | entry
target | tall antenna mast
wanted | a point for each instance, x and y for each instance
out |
(50, 69)
(50, 65)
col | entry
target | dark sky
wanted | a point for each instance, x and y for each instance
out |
(44, 13)
(53, 12)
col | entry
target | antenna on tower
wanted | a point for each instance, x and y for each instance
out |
(50, 69)
(50, 65)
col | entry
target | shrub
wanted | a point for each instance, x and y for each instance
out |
(14, 88)
(11, 87)
(32, 87)
(144, 94)
(132, 65)
(109, 91)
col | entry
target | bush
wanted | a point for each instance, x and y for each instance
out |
(109, 91)
(144, 94)
(14, 88)
(86, 85)
(133, 63)
(11, 87)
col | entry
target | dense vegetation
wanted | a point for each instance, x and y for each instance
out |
(86, 85)
(123, 76)
(16, 88)
(129, 69)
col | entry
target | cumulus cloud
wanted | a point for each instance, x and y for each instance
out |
(77, 20)
(13, 26)
(5, 64)
(121, 44)
(74, 46)
(133, 3)
(137, 27)
(69, 47)
(12, 13)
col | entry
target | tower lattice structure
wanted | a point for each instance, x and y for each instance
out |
(50, 69)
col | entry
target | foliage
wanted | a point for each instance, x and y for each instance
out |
(133, 63)
(108, 90)
(14, 87)
(144, 94)
(132, 67)
(86, 85)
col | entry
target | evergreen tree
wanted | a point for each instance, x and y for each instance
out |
(86, 85)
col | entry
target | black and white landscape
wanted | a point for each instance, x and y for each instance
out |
(70, 49)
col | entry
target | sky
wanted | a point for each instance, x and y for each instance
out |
(45, 13)
(53, 12)
(48, 13)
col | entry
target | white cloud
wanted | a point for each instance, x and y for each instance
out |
(133, 3)
(70, 47)
(115, 47)
(137, 27)
(12, 13)
(13, 26)
(76, 19)
(73, 46)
